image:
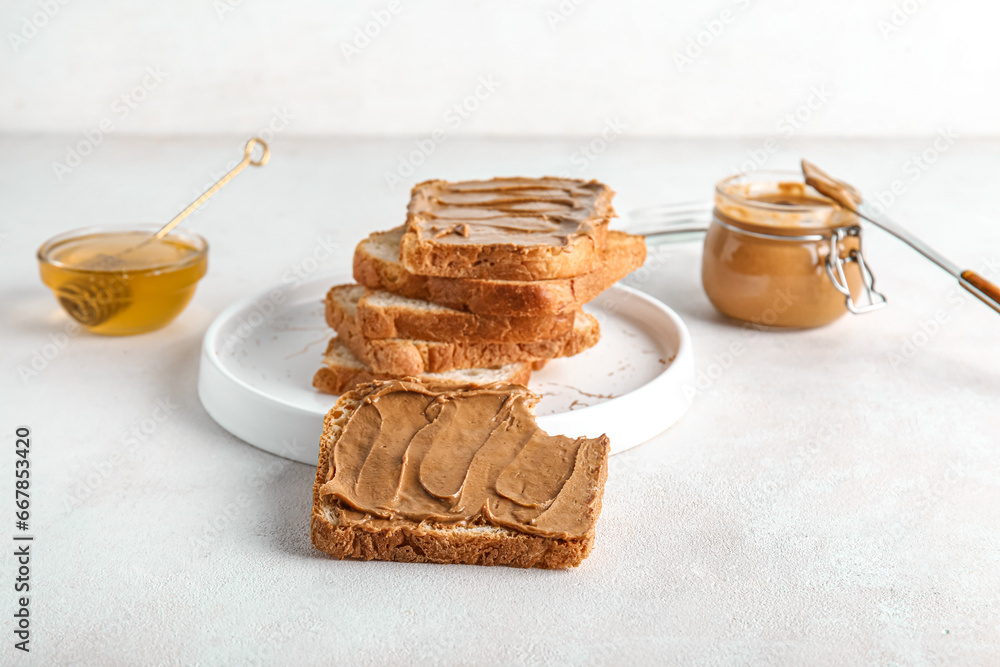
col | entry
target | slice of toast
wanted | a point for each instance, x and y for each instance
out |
(406, 473)
(403, 356)
(377, 265)
(342, 372)
(382, 314)
(506, 228)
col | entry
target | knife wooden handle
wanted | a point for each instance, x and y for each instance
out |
(981, 288)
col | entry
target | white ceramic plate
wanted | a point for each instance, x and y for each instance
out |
(259, 356)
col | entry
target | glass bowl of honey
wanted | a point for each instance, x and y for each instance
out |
(123, 281)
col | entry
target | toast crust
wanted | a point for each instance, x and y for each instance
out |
(624, 254)
(504, 261)
(446, 545)
(450, 325)
(433, 543)
(402, 356)
(506, 228)
(339, 378)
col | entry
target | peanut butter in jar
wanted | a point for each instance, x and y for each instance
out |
(767, 257)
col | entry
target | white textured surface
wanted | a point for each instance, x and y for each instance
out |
(659, 67)
(816, 506)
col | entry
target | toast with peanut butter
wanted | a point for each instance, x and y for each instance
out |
(414, 474)
(403, 356)
(506, 228)
(342, 371)
(377, 265)
(382, 314)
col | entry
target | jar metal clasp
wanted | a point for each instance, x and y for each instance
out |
(871, 299)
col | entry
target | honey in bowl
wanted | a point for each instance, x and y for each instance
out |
(123, 282)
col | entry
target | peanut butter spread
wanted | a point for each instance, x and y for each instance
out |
(519, 211)
(843, 193)
(469, 457)
(785, 208)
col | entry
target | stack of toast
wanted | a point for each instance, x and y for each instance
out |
(484, 283)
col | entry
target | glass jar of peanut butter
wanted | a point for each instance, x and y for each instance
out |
(780, 254)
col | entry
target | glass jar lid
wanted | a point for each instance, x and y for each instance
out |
(777, 203)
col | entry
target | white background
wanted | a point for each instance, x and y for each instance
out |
(888, 67)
